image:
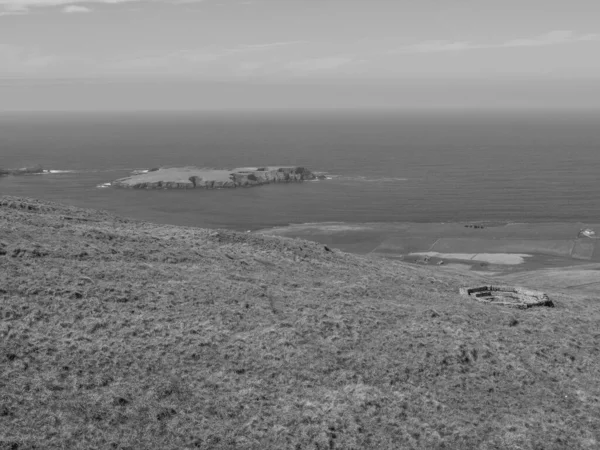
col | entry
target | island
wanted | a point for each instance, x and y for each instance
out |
(206, 178)
(22, 171)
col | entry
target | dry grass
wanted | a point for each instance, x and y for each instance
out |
(120, 334)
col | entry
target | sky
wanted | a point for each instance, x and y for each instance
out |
(187, 54)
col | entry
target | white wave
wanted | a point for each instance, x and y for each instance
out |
(392, 179)
(104, 185)
(365, 179)
(114, 169)
(381, 179)
(54, 171)
(359, 178)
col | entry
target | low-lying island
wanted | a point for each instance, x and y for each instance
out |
(195, 177)
(22, 171)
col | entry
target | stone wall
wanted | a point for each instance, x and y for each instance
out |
(512, 296)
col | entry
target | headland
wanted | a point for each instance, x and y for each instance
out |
(116, 333)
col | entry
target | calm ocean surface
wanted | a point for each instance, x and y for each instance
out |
(385, 166)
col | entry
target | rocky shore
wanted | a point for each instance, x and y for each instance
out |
(203, 178)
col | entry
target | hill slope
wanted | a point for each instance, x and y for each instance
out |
(122, 334)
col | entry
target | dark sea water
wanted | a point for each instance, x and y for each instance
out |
(384, 166)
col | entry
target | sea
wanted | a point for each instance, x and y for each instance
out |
(381, 166)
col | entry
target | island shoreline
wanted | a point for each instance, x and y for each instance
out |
(191, 177)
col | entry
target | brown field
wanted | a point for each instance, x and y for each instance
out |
(120, 334)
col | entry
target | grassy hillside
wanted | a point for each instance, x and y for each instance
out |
(122, 334)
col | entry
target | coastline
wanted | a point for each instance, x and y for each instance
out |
(493, 247)
(181, 334)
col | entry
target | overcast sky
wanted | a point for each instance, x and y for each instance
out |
(47, 47)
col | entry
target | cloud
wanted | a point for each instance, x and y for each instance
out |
(178, 60)
(250, 66)
(16, 60)
(552, 38)
(269, 46)
(168, 62)
(439, 46)
(556, 37)
(75, 9)
(319, 64)
(11, 13)
(211, 62)
(23, 6)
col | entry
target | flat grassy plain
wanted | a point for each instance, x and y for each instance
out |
(120, 334)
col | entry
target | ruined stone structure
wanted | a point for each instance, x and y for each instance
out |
(514, 297)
